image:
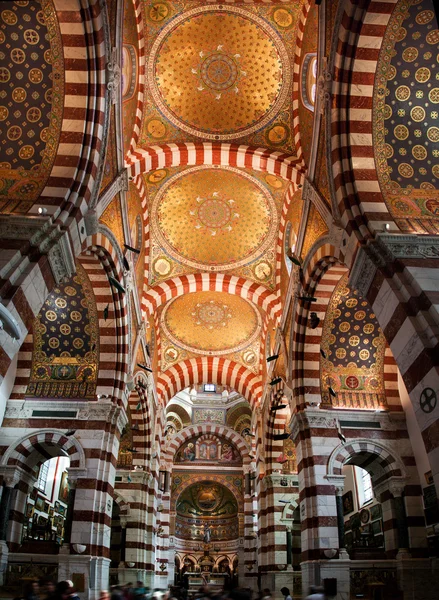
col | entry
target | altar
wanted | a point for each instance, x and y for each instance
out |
(213, 580)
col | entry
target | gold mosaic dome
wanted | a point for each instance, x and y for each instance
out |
(219, 72)
(219, 218)
(211, 322)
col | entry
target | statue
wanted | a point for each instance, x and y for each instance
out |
(206, 533)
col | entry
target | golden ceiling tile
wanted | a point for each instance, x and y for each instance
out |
(315, 228)
(217, 72)
(112, 218)
(211, 323)
(214, 218)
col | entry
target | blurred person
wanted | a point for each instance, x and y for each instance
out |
(31, 591)
(316, 593)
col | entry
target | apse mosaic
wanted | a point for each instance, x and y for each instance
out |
(235, 72)
(240, 217)
(354, 346)
(207, 506)
(406, 115)
(208, 449)
(65, 360)
(31, 100)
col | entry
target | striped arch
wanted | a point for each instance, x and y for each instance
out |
(141, 95)
(198, 282)
(144, 160)
(76, 172)
(33, 449)
(100, 259)
(367, 454)
(321, 257)
(296, 81)
(357, 192)
(123, 505)
(206, 429)
(212, 369)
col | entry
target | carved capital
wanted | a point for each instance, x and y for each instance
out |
(338, 482)
(114, 76)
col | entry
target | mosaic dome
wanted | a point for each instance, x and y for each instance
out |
(214, 218)
(231, 79)
(211, 322)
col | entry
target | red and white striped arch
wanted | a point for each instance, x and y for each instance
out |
(35, 448)
(216, 282)
(209, 369)
(358, 196)
(284, 165)
(75, 169)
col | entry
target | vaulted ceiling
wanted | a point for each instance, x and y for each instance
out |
(222, 74)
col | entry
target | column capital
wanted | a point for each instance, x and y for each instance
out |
(385, 249)
(12, 475)
(338, 482)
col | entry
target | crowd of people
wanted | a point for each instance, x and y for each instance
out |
(64, 590)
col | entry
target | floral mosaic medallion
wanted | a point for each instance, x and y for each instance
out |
(234, 71)
(211, 322)
(231, 209)
(31, 100)
(406, 116)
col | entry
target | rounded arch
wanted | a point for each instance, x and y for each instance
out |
(199, 477)
(77, 171)
(205, 429)
(198, 282)
(35, 448)
(101, 258)
(368, 454)
(209, 368)
(144, 160)
(324, 256)
(356, 196)
(124, 506)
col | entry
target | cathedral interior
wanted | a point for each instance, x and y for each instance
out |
(219, 317)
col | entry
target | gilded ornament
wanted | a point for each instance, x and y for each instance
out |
(424, 17)
(162, 266)
(402, 93)
(263, 271)
(31, 37)
(4, 112)
(35, 75)
(5, 75)
(434, 95)
(19, 94)
(158, 12)
(433, 134)
(277, 134)
(274, 181)
(283, 18)
(422, 74)
(156, 128)
(410, 54)
(387, 111)
(419, 152)
(157, 176)
(354, 340)
(405, 170)
(18, 56)
(417, 113)
(9, 17)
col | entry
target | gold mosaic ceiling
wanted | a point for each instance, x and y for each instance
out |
(229, 80)
(211, 322)
(215, 219)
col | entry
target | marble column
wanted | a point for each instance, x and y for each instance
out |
(9, 482)
(401, 518)
(70, 508)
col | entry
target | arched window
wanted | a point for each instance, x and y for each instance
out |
(309, 80)
(287, 245)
